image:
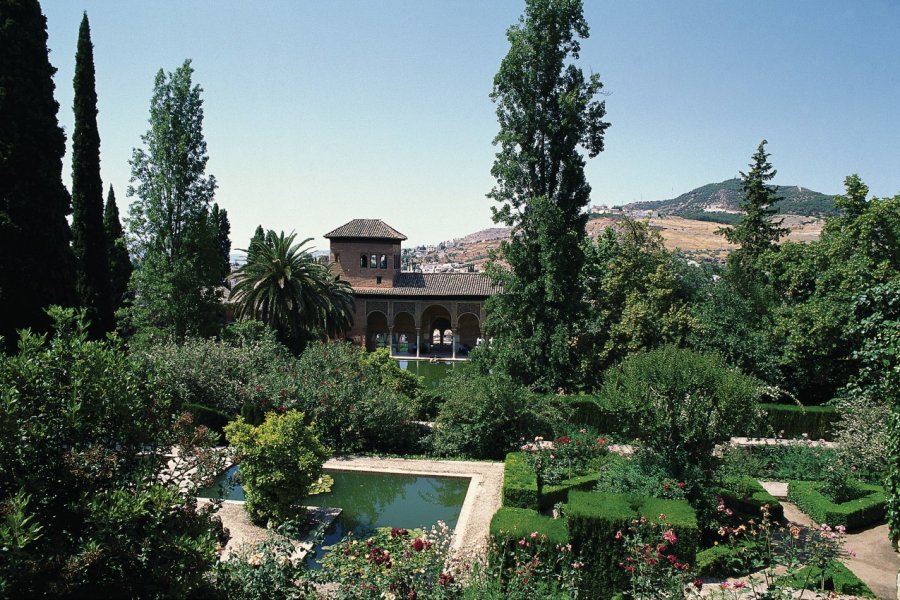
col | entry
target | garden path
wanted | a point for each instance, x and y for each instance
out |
(876, 563)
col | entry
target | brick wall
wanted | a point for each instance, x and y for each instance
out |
(345, 256)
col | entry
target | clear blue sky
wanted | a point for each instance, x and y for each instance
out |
(319, 112)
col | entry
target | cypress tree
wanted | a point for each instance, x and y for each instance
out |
(36, 262)
(92, 275)
(222, 227)
(117, 251)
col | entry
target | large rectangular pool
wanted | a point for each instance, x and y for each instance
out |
(370, 500)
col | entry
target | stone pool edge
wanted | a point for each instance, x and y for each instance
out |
(483, 497)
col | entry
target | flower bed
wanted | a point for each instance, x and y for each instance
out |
(853, 514)
(837, 577)
(595, 522)
(746, 495)
(520, 485)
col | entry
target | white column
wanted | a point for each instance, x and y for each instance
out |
(453, 340)
(391, 341)
(418, 342)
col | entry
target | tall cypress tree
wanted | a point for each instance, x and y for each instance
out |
(218, 218)
(92, 276)
(36, 262)
(116, 249)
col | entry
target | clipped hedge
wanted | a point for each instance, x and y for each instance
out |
(725, 560)
(837, 577)
(588, 411)
(512, 524)
(594, 518)
(520, 485)
(746, 495)
(213, 419)
(853, 514)
(791, 421)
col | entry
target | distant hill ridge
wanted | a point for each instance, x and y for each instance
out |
(726, 196)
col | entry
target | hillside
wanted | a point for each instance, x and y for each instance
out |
(719, 199)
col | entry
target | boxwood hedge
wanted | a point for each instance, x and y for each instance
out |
(520, 485)
(594, 518)
(746, 495)
(512, 524)
(791, 421)
(854, 514)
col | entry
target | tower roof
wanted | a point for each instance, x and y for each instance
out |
(366, 228)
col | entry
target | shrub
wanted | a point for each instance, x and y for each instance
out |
(837, 578)
(486, 416)
(791, 421)
(726, 560)
(520, 485)
(642, 474)
(780, 462)
(247, 366)
(391, 563)
(509, 525)
(344, 399)
(212, 419)
(589, 411)
(853, 514)
(262, 571)
(87, 500)
(280, 460)
(745, 494)
(681, 403)
(387, 374)
(594, 519)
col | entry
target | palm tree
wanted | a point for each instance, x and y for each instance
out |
(283, 286)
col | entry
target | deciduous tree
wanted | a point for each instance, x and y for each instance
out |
(175, 249)
(548, 112)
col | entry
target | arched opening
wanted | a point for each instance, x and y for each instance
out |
(376, 331)
(404, 333)
(469, 331)
(437, 335)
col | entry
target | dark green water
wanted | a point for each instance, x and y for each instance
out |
(431, 372)
(371, 500)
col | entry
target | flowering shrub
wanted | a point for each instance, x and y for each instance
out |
(781, 556)
(263, 571)
(653, 568)
(393, 563)
(531, 568)
(579, 451)
(642, 474)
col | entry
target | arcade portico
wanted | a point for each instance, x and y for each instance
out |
(415, 314)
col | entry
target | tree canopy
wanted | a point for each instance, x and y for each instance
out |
(548, 110)
(175, 247)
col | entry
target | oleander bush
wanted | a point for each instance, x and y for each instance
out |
(487, 415)
(343, 395)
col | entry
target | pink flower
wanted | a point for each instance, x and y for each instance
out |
(418, 545)
(670, 536)
(619, 535)
(534, 535)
